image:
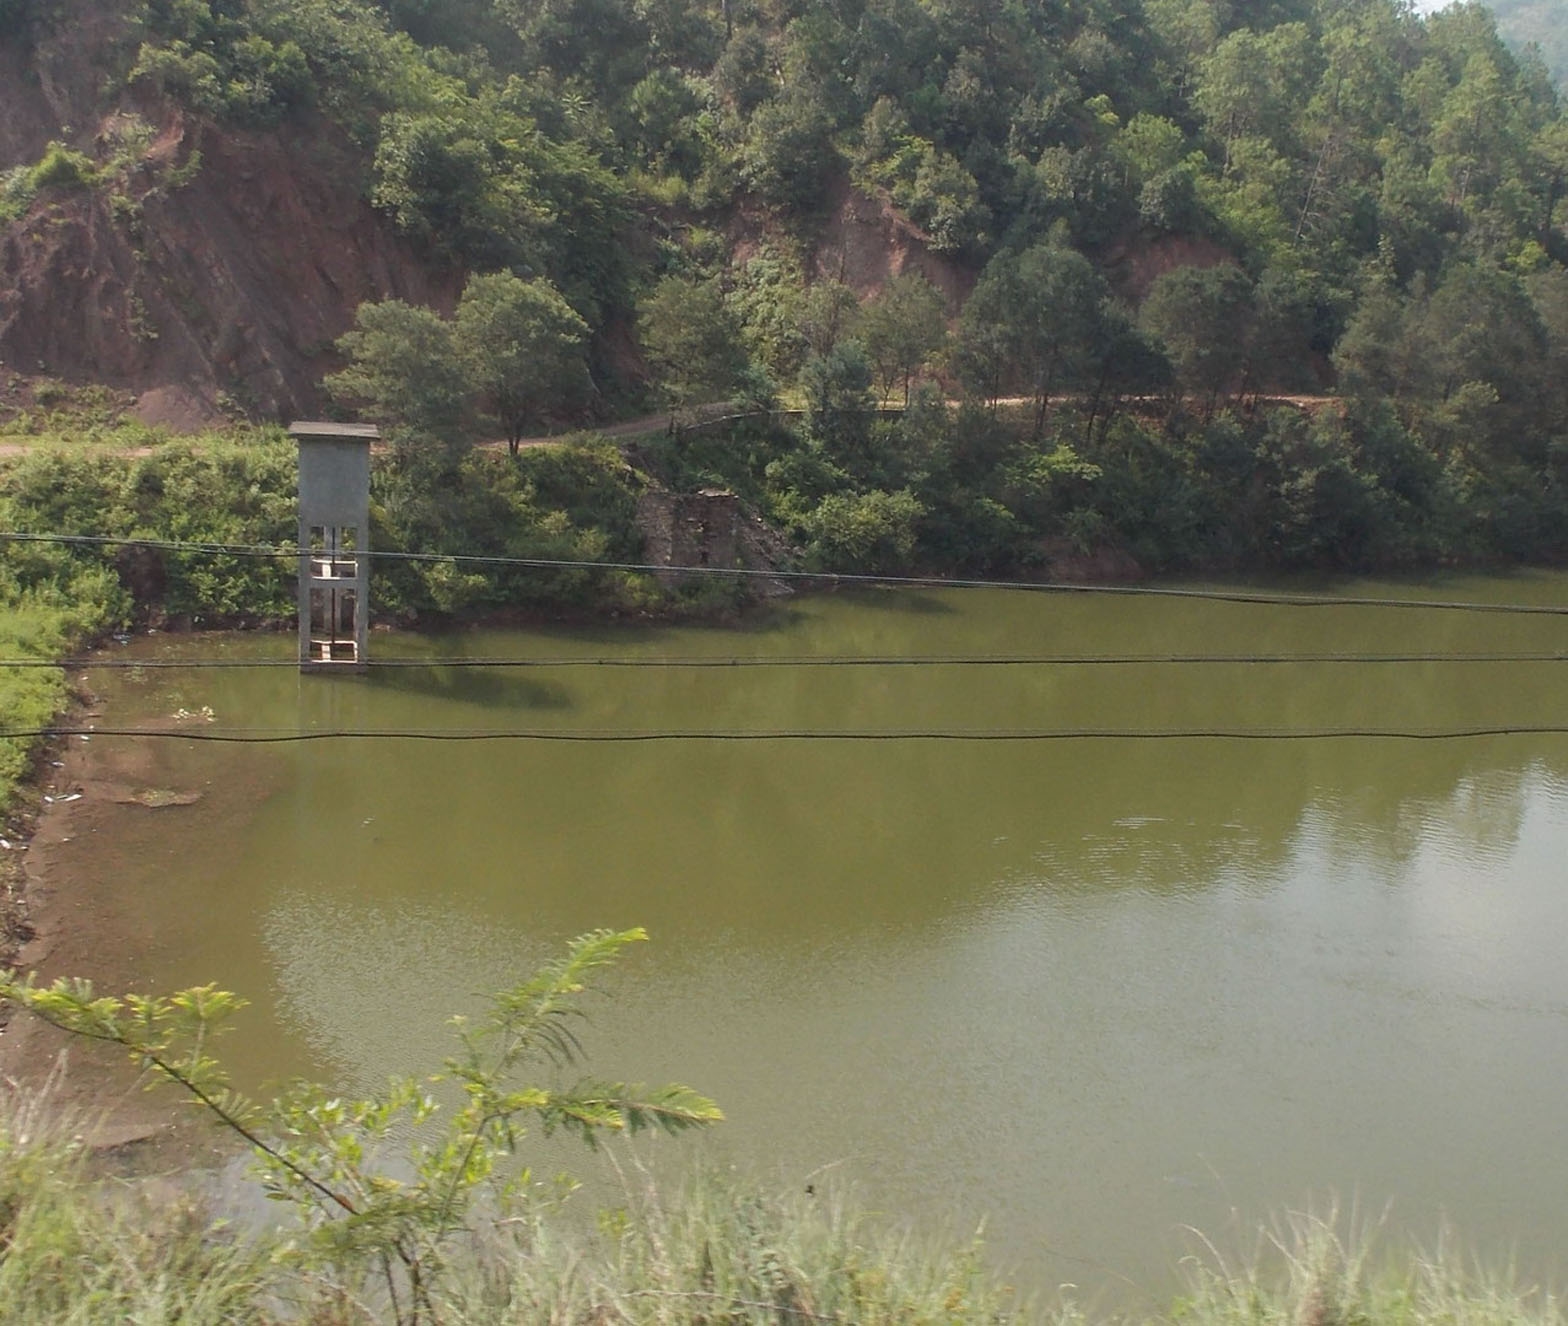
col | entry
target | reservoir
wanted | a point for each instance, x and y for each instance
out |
(1121, 930)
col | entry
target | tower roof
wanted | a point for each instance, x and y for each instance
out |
(324, 429)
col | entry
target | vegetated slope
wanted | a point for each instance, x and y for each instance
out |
(1154, 215)
(231, 284)
(209, 266)
(205, 253)
(1542, 23)
(353, 150)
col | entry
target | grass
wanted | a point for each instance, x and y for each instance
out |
(39, 432)
(1319, 1270)
(83, 1250)
(79, 1249)
(233, 487)
(29, 697)
(718, 1250)
(77, 1253)
(39, 411)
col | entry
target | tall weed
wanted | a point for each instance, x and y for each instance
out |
(74, 1252)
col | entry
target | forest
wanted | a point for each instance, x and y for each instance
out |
(1224, 285)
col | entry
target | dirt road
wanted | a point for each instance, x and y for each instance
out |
(648, 425)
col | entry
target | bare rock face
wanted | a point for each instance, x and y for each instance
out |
(867, 242)
(209, 270)
(1136, 262)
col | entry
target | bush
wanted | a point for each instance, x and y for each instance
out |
(17, 190)
(63, 168)
(29, 697)
(869, 534)
(790, 151)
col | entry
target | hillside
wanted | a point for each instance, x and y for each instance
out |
(206, 262)
(206, 265)
(249, 174)
(1111, 231)
(1542, 23)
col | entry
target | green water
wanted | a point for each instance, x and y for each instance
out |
(1092, 991)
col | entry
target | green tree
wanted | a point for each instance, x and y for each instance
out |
(943, 199)
(1549, 293)
(827, 310)
(333, 1159)
(870, 533)
(1128, 363)
(789, 150)
(901, 329)
(478, 180)
(1551, 153)
(403, 369)
(603, 42)
(1032, 325)
(692, 342)
(684, 33)
(1254, 84)
(437, 175)
(837, 388)
(520, 345)
(663, 110)
(744, 73)
(768, 298)
(1203, 316)
(1382, 354)
(1148, 144)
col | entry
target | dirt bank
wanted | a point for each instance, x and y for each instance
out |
(71, 922)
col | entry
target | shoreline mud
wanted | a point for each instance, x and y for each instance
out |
(58, 925)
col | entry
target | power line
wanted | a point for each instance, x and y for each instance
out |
(275, 736)
(833, 578)
(813, 661)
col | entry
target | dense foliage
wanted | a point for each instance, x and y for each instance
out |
(1317, 137)
(1167, 212)
(576, 501)
(1167, 209)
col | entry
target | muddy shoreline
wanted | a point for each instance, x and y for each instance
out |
(57, 923)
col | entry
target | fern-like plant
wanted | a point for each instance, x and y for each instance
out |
(385, 1183)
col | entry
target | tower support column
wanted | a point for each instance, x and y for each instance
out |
(334, 543)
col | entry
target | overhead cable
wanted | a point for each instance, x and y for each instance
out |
(274, 736)
(817, 577)
(81, 663)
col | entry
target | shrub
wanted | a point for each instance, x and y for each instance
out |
(874, 532)
(62, 167)
(17, 190)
